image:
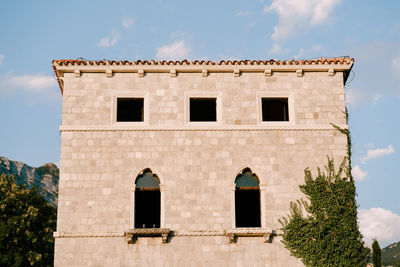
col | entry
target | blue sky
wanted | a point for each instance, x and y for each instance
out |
(35, 32)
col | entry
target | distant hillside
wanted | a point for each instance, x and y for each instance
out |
(45, 178)
(391, 253)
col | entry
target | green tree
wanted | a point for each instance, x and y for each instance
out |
(376, 254)
(328, 235)
(27, 222)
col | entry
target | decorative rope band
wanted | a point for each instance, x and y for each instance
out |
(199, 128)
(199, 233)
(248, 231)
(148, 231)
(137, 232)
(82, 235)
(163, 231)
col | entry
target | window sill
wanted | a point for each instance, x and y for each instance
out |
(267, 234)
(133, 234)
(166, 233)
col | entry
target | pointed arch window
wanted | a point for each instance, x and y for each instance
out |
(247, 199)
(147, 200)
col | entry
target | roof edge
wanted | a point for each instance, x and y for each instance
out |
(342, 60)
(66, 65)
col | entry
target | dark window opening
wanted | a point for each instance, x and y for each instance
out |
(147, 209)
(203, 109)
(247, 208)
(147, 200)
(247, 200)
(275, 109)
(130, 109)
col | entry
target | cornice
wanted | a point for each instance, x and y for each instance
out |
(267, 67)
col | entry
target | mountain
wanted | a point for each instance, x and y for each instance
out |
(45, 177)
(391, 253)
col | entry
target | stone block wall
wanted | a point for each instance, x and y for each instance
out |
(197, 164)
(88, 100)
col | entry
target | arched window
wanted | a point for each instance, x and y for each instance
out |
(147, 200)
(247, 199)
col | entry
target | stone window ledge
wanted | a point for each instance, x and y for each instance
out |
(233, 234)
(133, 234)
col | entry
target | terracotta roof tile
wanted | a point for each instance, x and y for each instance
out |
(271, 62)
(204, 62)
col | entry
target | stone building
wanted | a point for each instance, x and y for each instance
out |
(190, 163)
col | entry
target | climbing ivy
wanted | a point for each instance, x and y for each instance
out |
(328, 234)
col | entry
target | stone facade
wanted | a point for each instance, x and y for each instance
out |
(196, 163)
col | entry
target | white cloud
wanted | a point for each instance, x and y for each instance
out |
(322, 10)
(311, 51)
(375, 59)
(277, 49)
(1, 58)
(358, 174)
(380, 224)
(35, 83)
(396, 64)
(37, 86)
(243, 13)
(356, 96)
(178, 35)
(110, 40)
(376, 98)
(251, 25)
(369, 145)
(127, 22)
(300, 54)
(175, 51)
(293, 13)
(377, 153)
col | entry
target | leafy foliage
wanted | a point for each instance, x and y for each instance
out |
(376, 254)
(329, 234)
(27, 222)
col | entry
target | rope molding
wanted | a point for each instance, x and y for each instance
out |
(74, 235)
(199, 128)
(176, 233)
(140, 231)
(248, 231)
(199, 233)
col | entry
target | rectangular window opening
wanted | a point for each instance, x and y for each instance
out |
(130, 109)
(247, 208)
(275, 109)
(203, 109)
(147, 209)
